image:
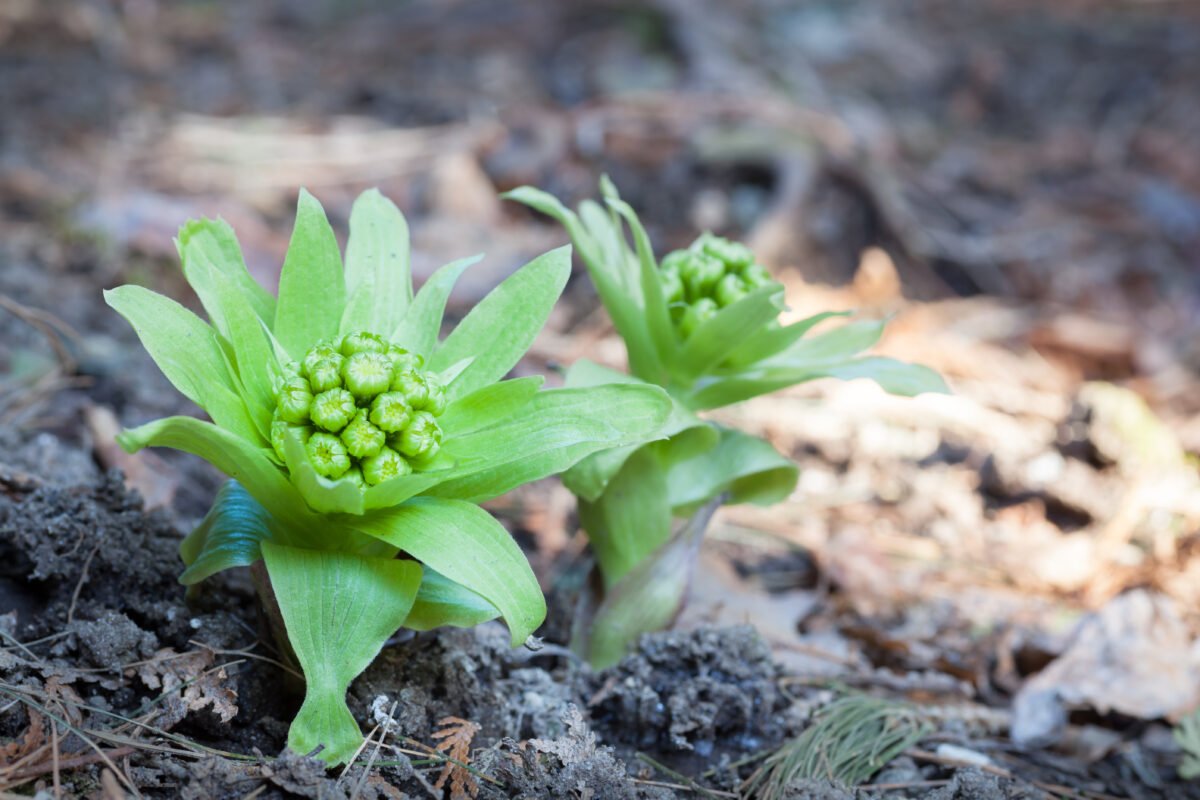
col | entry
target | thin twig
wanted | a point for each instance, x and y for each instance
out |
(383, 732)
(679, 776)
(429, 752)
(54, 757)
(70, 763)
(82, 734)
(82, 579)
(685, 788)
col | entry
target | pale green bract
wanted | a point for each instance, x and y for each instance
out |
(414, 443)
(702, 324)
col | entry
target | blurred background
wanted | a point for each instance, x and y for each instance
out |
(1017, 186)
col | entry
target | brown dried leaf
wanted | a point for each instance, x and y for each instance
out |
(152, 477)
(1135, 657)
(30, 742)
(189, 684)
(456, 735)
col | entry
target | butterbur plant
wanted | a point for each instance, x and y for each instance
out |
(359, 445)
(703, 324)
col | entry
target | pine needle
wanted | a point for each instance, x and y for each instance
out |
(849, 740)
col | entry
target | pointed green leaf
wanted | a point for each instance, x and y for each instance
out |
(612, 247)
(312, 288)
(607, 276)
(339, 610)
(555, 430)
(187, 352)
(378, 282)
(837, 345)
(632, 518)
(213, 241)
(488, 406)
(423, 322)
(719, 336)
(466, 545)
(658, 318)
(895, 377)
(499, 330)
(443, 603)
(648, 598)
(548, 204)
(746, 467)
(247, 464)
(588, 478)
(232, 311)
(450, 374)
(770, 341)
(395, 491)
(227, 537)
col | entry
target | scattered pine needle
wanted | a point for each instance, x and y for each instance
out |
(849, 740)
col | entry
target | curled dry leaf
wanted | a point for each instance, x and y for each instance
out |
(189, 682)
(28, 743)
(456, 735)
(1133, 657)
(146, 472)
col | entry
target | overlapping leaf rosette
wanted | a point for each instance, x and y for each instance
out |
(359, 445)
(703, 324)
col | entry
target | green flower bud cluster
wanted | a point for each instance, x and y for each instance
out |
(711, 274)
(365, 409)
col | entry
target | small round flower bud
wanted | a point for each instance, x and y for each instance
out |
(362, 342)
(696, 314)
(390, 412)
(422, 434)
(367, 373)
(411, 384)
(295, 398)
(402, 359)
(280, 430)
(729, 290)
(425, 460)
(319, 352)
(435, 400)
(385, 465)
(734, 255)
(672, 285)
(361, 438)
(332, 409)
(700, 275)
(756, 275)
(674, 260)
(326, 374)
(327, 455)
(355, 476)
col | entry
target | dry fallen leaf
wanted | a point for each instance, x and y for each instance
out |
(456, 735)
(1134, 657)
(154, 479)
(189, 683)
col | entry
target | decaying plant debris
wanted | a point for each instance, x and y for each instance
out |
(1019, 192)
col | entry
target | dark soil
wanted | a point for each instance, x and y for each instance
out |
(1041, 163)
(91, 582)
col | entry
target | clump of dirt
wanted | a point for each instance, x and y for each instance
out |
(570, 766)
(99, 624)
(88, 550)
(106, 629)
(473, 674)
(692, 691)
